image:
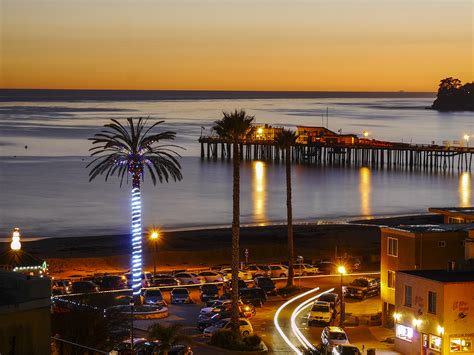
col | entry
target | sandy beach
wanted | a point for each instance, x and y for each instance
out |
(207, 247)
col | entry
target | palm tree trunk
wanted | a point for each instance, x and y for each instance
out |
(289, 212)
(136, 264)
(235, 236)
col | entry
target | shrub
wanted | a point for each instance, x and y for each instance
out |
(226, 339)
(252, 342)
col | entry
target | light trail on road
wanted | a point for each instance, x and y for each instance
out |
(277, 325)
(296, 331)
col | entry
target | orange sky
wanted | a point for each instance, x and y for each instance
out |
(353, 45)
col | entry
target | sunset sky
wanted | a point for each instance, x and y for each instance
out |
(341, 45)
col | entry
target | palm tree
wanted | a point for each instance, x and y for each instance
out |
(233, 128)
(168, 336)
(121, 150)
(285, 140)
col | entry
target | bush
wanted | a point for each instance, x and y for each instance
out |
(227, 339)
(251, 342)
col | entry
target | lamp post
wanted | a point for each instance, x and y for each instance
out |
(154, 237)
(466, 138)
(365, 134)
(342, 270)
(132, 308)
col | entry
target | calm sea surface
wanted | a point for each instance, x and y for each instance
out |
(44, 187)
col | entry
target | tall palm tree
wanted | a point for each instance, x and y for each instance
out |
(122, 150)
(285, 140)
(168, 336)
(233, 128)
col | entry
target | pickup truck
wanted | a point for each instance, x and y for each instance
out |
(363, 287)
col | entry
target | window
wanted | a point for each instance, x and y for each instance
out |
(442, 244)
(455, 220)
(392, 247)
(391, 279)
(403, 332)
(460, 344)
(432, 302)
(407, 296)
(435, 342)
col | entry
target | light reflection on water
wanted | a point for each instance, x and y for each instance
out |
(465, 189)
(259, 191)
(364, 190)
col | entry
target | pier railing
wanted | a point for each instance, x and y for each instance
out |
(365, 152)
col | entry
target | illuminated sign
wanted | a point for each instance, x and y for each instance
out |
(404, 332)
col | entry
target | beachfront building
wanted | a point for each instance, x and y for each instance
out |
(455, 215)
(24, 314)
(417, 247)
(434, 312)
(313, 135)
(265, 132)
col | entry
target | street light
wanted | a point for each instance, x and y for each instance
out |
(466, 138)
(342, 270)
(155, 235)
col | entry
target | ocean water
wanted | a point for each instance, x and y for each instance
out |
(45, 191)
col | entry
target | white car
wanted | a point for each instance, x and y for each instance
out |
(332, 336)
(320, 312)
(243, 275)
(245, 327)
(211, 276)
(217, 303)
(188, 278)
(278, 270)
(305, 269)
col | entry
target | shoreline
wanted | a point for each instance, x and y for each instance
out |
(68, 257)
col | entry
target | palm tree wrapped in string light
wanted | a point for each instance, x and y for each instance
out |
(124, 150)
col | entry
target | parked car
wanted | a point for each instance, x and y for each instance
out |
(60, 287)
(258, 270)
(146, 279)
(243, 275)
(255, 296)
(164, 280)
(346, 349)
(332, 336)
(305, 269)
(245, 327)
(362, 287)
(112, 282)
(246, 310)
(321, 312)
(188, 278)
(154, 297)
(266, 284)
(211, 276)
(180, 295)
(84, 287)
(327, 267)
(278, 270)
(209, 292)
(332, 298)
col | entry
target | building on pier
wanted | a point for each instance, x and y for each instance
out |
(455, 215)
(314, 135)
(265, 132)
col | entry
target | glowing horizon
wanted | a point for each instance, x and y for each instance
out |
(262, 45)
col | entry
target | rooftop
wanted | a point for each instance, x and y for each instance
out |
(443, 275)
(458, 210)
(433, 228)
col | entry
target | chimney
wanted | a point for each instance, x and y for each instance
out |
(451, 265)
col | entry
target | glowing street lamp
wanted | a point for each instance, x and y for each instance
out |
(154, 236)
(259, 132)
(466, 138)
(342, 270)
(365, 134)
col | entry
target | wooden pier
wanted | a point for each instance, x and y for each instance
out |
(377, 155)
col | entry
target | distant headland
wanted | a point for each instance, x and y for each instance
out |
(454, 96)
